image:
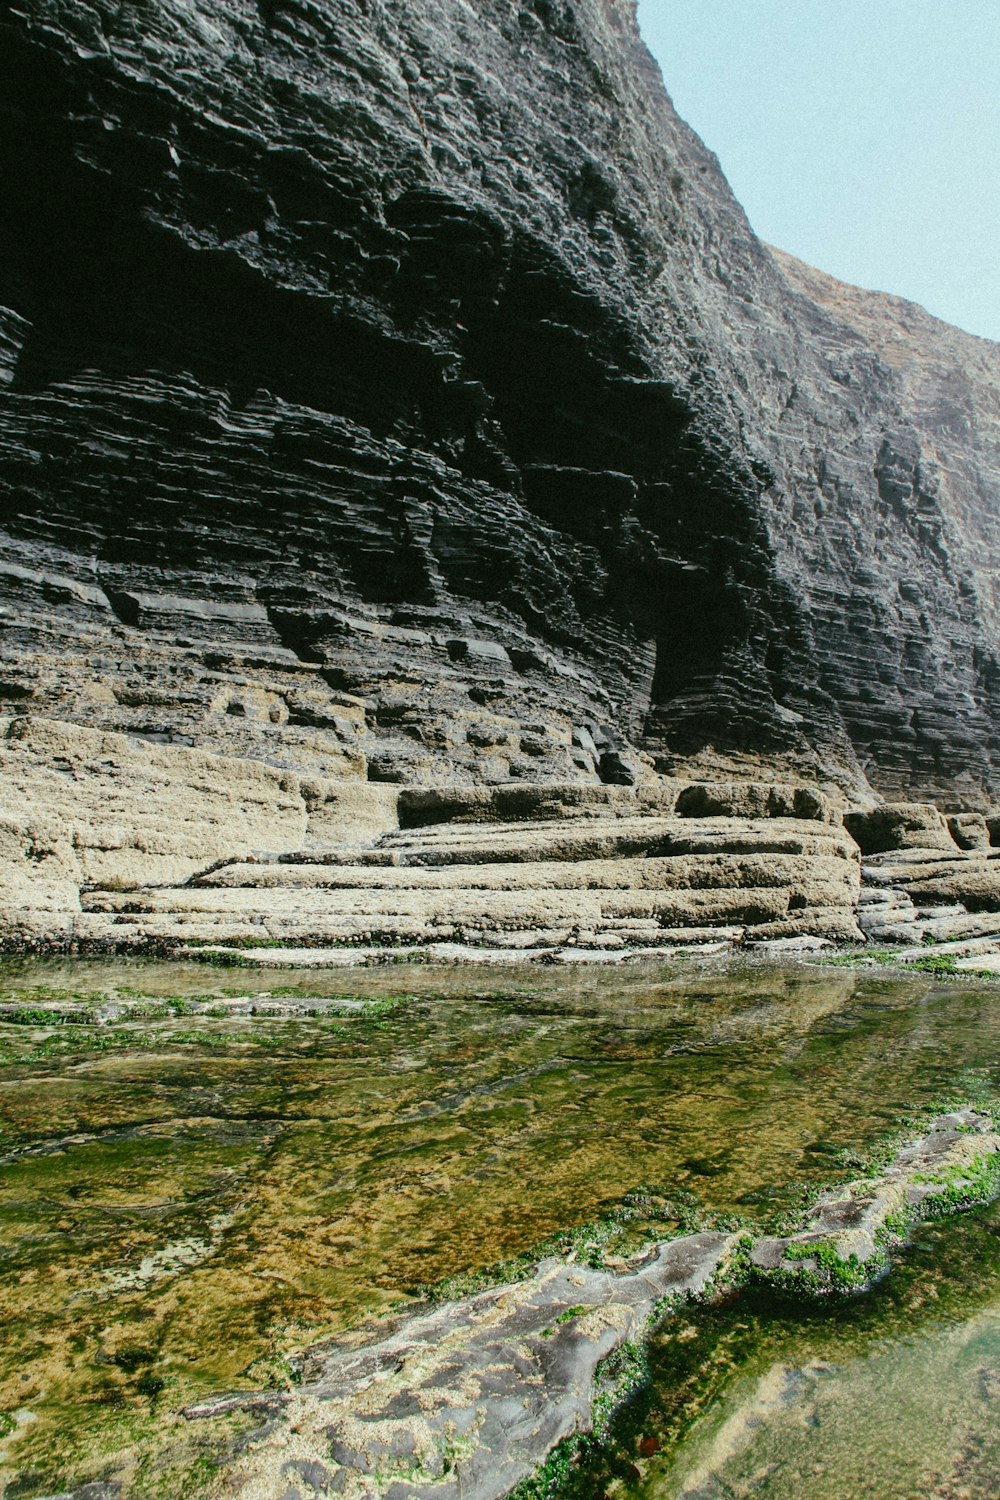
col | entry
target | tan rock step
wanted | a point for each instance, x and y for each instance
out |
(441, 953)
(879, 903)
(975, 885)
(345, 855)
(954, 949)
(824, 921)
(254, 926)
(869, 918)
(558, 915)
(751, 900)
(987, 963)
(685, 936)
(967, 925)
(895, 935)
(879, 866)
(780, 946)
(424, 806)
(878, 895)
(619, 838)
(691, 872)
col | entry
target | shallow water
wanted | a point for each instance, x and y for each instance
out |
(892, 1395)
(186, 1200)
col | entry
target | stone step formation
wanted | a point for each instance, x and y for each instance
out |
(397, 408)
(113, 844)
(929, 881)
(600, 885)
(434, 526)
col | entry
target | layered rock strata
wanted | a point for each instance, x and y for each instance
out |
(230, 851)
(397, 391)
(613, 883)
(114, 843)
(929, 879)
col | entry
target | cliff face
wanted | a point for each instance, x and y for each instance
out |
(397, 390)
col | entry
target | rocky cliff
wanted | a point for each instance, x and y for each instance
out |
(396, 390)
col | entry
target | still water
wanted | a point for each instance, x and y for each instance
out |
(191, 1193)
(894, 1395)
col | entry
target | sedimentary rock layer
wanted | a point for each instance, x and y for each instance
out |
(118, 844)
(397, 390)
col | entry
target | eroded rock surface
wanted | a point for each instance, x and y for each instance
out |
(928, 879)
(118, 844)
(463, 1400)
(397, 389)
(115, 844)
(81, 808)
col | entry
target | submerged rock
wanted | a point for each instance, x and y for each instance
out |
(466, 1399)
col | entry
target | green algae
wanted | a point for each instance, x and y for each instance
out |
(193, 1192)
(892, 1394)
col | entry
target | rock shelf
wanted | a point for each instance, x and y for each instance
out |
(112, 845)
(99, 830)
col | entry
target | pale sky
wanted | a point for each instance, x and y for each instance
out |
(862, 136)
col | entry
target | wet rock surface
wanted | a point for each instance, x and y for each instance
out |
(848, 1230)
(468, 1398)
(397, 390)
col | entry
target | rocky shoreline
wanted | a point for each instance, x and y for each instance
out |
(111, 845)
(469, 1397)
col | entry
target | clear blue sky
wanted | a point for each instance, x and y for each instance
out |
(862, 136)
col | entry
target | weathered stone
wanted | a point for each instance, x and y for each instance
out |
(909, 825)
(969, 830)
(607, 883)
(971, 878)
(419, 357)
(750, 799)
(79, 808)
(507, 1373)
(491, 1383)
(117, 842)
(405, 434)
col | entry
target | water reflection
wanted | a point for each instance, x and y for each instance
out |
(216, 1189)
(893, 1395)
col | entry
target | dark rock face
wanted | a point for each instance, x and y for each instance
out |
(396, 388)
(902, 576)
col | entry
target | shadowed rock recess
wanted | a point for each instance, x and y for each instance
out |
(393, 395)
